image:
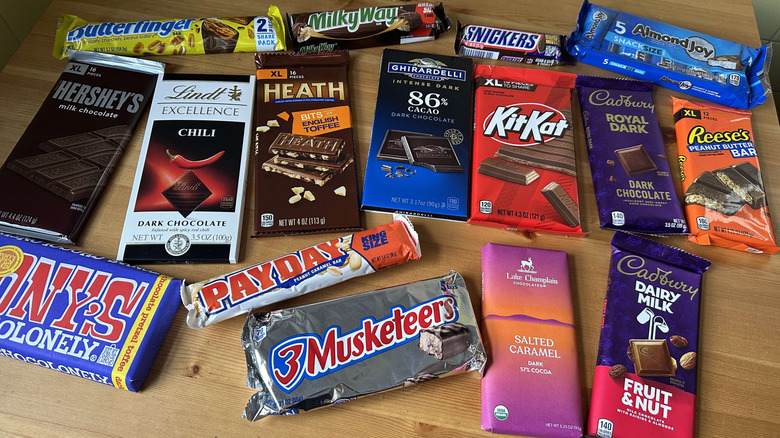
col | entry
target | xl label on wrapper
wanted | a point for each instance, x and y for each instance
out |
(335, 351)
(81, 314)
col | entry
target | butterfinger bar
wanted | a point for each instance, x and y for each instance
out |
(301, 272)
(103, 321)
(191, 36)
(509, 45)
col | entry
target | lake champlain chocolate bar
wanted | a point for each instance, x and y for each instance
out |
(305, 177)
(63, 161)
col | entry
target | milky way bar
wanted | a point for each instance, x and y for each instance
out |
(186, 36)
(371, 26)
(81, 314)
(509, 45)
(301, 272)
(306, 357)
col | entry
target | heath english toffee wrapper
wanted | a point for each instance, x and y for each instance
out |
(325, 353)
(645, 381)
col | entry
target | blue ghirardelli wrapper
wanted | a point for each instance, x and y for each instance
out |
(418, 162)
(81, 314)
(683, 60)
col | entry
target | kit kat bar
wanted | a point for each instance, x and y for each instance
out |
(505, 171)
(538, 157)
(304, 146)
(562, 203)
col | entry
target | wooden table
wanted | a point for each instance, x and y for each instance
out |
(196, 385)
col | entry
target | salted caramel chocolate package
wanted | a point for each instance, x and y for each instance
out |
(724, 194)
(59, 167)
(645, 381)
(177, 36)
(305, 171)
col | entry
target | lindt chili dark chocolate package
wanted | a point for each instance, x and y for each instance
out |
(63, 161)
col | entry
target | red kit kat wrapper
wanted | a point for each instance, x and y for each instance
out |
(524, 175)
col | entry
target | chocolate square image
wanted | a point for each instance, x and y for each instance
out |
(186, 193)
(392, 148)
(635, 159)
(435, 153)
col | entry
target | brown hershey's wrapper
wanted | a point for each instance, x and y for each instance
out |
(63, 161)
(302, 119)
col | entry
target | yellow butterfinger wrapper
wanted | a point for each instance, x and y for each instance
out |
(185, 36)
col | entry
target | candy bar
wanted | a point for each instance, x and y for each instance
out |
(81, 314)
(188, 197)
(338, 166)
(392, 148)
(725, 197)
(649, 327)
(367, 27)
(304, 138)
(562, 202)
(509, 45)
(683, 60)
(444, 341)
(305, 146)
(635, 159)
(632, 178)
(651, 358)
(424, 100)
(319, 177)
(524, 142)
(172, 37)
(292, 358)
(301, 272)
(531, 385)
(507, 171)
(63, 161)
(435, 153)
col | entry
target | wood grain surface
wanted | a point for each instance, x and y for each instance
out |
(196, 384)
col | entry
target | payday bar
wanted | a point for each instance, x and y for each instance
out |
(507, 171)
(444, 341)
(54, 176)
(81, 314)
(509, 45)
(435, 153)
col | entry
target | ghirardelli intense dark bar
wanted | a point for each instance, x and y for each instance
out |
(305, 176)
(64, 159)
(188, 196)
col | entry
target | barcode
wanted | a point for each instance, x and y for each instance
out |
(108, 356)
(479, 53)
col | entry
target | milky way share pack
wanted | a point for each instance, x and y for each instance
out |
(418, 161)
(686, 61)
(81, 314)
(632, 178)
(188, 196)
(525, 173)
(305, 357)
(724, 194)
(645, 380)
(531, 384)
(305, 171)
(63, 161)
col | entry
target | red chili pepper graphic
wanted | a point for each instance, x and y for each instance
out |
(184, 163)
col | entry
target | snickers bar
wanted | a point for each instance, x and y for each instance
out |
(509, 45)
(81, 314)
(390, 338)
